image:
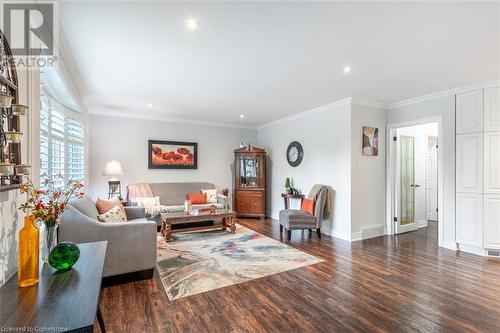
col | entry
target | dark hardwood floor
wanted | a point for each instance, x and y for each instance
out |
(403, 283)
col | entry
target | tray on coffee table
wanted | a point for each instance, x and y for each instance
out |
(226, 216)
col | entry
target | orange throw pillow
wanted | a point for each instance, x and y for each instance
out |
(104, 206)
(197, 198)
(307, 206)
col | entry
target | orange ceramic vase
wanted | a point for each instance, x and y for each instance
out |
(29, 243)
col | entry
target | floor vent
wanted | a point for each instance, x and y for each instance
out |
(371, 232)
(493, 253)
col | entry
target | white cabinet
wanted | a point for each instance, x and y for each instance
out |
(492, 221)
(491, 162)
(492, 109)
(469, 112)
(469, 163)
(470, 219)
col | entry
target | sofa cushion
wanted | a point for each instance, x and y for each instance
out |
(104, 206)
(173, 194)
(296, 219)
(115, 214)
(86, 206)
(197, 198)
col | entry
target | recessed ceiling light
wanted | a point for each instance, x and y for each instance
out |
(150, 105)
(192, 24)
(242, 116)
(347, 69)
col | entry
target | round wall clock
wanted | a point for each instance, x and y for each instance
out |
(294, 153)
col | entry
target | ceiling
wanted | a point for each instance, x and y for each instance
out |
(269, 60)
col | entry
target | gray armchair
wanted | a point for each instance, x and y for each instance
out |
(293, 219)
(131, 245)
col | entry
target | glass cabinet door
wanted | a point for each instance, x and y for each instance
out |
(249, 171)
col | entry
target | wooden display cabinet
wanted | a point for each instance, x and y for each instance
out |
(250, 183)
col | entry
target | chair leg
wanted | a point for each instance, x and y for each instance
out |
(310, 230)
(289, 234)
(318, 231)
(281, 228)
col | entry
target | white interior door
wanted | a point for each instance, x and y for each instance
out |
(406, 185)
(431, 180)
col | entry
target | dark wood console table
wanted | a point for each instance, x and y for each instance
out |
(61, 301)
(286, 198)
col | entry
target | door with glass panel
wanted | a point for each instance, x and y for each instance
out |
(406, 185)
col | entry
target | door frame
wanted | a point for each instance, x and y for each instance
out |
(427, 173)
(391, 162)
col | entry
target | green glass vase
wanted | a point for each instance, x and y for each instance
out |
(64, 255)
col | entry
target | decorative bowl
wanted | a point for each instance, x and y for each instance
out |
(6, 169)
(5, 100)
(64, 255)
(19, 109)
(13, 136)
(22, 169)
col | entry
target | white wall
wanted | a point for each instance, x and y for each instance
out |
(126, 140)
(11, 220)
(421, 134)
(439, 107)
(325, 137)
(368, 173)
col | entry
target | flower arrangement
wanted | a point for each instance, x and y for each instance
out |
(48, 204)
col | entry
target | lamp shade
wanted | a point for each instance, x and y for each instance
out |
(113, 168)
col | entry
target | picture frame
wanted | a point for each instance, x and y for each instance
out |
(370, 141)
(172, 154)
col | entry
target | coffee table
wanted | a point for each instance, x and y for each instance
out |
(226, 216)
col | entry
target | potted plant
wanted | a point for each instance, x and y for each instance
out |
(48, 203)
(287, 184)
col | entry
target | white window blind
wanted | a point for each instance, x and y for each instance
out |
(62, 149)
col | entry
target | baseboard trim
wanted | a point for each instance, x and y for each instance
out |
(472, 250)
(421, 224)
(356, 236)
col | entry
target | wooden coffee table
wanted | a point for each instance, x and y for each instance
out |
(226, 216)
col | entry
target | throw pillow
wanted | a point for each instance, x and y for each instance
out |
(147, 201)
(115, 214)
(197, 198)
(308, 206)
(104, 206)
(211, 196)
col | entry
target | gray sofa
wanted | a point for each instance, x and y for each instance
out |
(131, 245)
(173, 195)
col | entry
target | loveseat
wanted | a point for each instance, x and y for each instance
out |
(172, 197)
(131, 245)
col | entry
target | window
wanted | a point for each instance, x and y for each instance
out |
(62, 147)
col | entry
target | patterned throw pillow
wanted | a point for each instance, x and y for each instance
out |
(115, 214)
(147, 201)
(211, 196)
(104, 206)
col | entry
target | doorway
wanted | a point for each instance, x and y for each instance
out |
(414, 169)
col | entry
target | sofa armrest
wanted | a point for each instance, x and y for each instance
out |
(223, 200)
(135, 212)
(131, 245)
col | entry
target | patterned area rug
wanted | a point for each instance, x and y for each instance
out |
(200, 262)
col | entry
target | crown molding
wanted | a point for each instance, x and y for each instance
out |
(169, 119)
(444, 93)
(369, 103)
(307, 113)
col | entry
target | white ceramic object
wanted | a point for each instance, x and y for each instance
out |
(19, 110)
(5, 101)
(6, 169)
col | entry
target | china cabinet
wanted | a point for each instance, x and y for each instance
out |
(250, 182)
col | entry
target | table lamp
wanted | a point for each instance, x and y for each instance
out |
(113, 169)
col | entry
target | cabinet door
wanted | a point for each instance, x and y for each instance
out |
(249, 202)
(469, 161)
(470, 219)
(492, 162)
(492, 109)
(469, 112)
(492, 221)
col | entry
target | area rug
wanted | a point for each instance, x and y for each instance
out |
(199, 262)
